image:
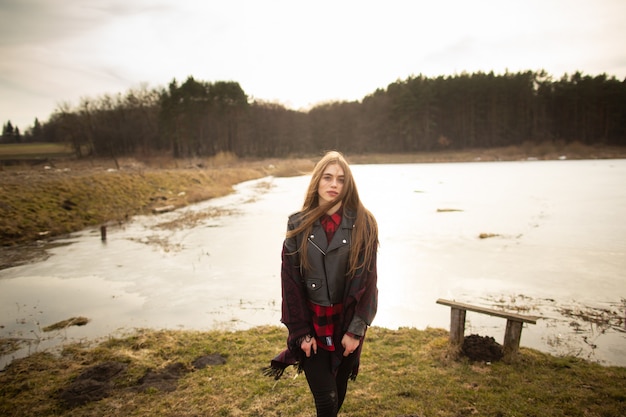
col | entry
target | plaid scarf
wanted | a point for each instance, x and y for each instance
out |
(325, 320)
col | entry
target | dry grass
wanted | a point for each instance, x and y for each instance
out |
(404, 372)
(67, 196)
(17, 151)
(74, 321)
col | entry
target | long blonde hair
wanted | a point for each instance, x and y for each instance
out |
(365, 232)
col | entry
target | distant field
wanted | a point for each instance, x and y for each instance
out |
(13, 151)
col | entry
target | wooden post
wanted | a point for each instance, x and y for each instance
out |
(457, 326)
(103, 233)
(512, 337)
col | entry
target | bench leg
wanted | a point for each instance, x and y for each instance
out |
(512, 338)
(457, 326)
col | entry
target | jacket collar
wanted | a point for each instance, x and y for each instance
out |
(342, 235)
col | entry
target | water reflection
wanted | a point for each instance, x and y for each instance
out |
(558, 242)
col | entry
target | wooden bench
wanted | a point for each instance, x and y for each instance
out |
(514, 323)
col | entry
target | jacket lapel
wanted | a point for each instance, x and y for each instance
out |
(343, 233)
(318, 237)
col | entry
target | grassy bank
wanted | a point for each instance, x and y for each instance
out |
(67, 196)
(404, 372)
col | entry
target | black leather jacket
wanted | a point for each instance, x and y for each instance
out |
(325, 280)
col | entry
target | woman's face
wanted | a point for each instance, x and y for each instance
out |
(331, 183)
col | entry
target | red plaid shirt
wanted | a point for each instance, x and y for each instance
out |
(331, 223)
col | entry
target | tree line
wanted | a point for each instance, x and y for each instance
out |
(10, 134)
(479, 110)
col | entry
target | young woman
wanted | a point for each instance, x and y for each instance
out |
(328, 279)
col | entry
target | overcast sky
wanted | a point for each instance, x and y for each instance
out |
(298, 53)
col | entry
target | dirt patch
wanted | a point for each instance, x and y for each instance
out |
(164, 380)
(104, 379)
(481, 348)
(209, 360)
(93, 384)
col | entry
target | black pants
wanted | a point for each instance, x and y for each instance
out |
(328, 389)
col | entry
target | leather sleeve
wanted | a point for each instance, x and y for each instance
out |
(357, 326)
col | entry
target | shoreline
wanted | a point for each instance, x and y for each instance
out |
(174, 221)
(63, 191)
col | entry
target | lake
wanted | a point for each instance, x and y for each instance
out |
(555, 247)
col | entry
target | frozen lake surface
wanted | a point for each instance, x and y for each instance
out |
(558, 251)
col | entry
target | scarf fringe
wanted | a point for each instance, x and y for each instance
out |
(276, 370)
(275, 373)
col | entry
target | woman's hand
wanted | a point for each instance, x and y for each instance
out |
(308, 345)
(350, 344)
